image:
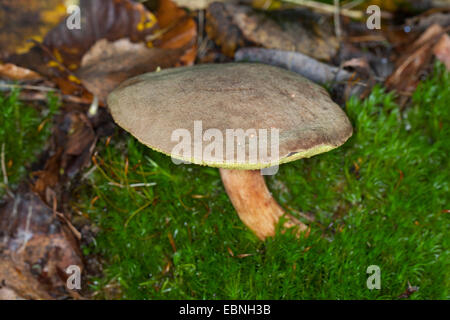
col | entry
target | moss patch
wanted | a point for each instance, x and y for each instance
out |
(381, 199)
(23, 132)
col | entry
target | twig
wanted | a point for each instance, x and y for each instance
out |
(27, 87)
(367, 38)
(327, 8)
(202, 41)
(75, 232)
(40, 96)
(133, 185)
(136, 185)
(201, 20)
(5, 174)
(337, 20)
(352, 4)
(88, 173)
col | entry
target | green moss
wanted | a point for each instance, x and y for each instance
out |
(23, 132)
(381, 199)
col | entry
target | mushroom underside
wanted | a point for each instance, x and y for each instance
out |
(254, 203)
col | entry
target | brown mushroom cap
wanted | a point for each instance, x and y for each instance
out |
(230, 96)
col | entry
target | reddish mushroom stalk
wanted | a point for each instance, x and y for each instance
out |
(254, 203)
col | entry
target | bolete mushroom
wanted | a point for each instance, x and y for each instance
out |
(210, 101)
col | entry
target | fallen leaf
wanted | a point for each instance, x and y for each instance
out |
(21, 20)
(413, 62)
(106, 19)
(179, 31)
(72, 143)
(427, 19)
(62, 49)
(107, 63)
(289, 30)
(36, 248)
(442, 50)
(363, 79)
(13, 72)
(221, 29)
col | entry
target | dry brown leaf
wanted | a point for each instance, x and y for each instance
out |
(21, 20)
(286, 30)
(36, 248)
(434, 16)
(13, 72)
(60, 54)
(221, 29)
(310, 38)
(107, 19)
(362, 80)
(107, 64)
(73, 142)
(413, 62)
(179, 31)
(442, 50)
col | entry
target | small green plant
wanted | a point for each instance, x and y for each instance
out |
(170, 232)
(23, 132)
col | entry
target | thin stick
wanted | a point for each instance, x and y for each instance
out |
(133, 185)
(327, 8)
(201, 20)
(27, 87)
(337, 20)
(5, 174)
(40, 96)
(352, 4)
(76, 233)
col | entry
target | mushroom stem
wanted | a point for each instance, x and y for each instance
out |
(254, 203)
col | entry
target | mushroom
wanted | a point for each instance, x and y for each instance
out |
(209, 101)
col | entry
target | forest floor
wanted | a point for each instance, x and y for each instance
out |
(382, 199)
